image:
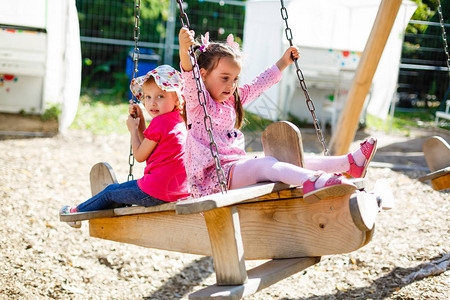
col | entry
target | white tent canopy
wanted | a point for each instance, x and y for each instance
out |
(331, 35)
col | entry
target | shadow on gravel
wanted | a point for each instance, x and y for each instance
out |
(381, 288)
(182, 283)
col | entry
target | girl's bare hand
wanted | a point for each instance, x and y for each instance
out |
(134, 109)
(186, 38)
(133, 123)
(287, 58)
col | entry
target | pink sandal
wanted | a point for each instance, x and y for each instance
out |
(368, 150)
(336, 186)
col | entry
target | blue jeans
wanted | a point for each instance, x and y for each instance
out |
(119, 195)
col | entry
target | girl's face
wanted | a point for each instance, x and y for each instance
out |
(221, 82)
(156, 101)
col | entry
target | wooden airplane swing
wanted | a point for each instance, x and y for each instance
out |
(265, 221)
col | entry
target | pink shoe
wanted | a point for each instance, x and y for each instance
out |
(369, 151)
(336, 186)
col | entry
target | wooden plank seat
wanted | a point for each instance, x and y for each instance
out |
(254, 193)
(437, 155)
(263, 221)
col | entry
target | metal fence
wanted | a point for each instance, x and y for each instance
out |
(424, 77)
(107, 38)
(106, 28)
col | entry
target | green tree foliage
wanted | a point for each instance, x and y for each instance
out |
(114, 19)
(424, 11)
(108, 25)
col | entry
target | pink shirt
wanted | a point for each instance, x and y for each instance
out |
(200, 165)
(165, 175)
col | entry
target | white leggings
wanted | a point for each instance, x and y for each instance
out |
(251, 171)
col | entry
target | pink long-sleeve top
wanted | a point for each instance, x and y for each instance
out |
(200, 165)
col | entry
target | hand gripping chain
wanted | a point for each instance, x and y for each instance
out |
(202, 100)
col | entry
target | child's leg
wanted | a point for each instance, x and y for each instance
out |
(316, 185)
(115, 195)
(267, 168)
(327, 164)
(340, 163)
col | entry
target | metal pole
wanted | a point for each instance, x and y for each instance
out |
(170, 33)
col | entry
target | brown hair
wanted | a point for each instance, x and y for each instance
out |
(209, 59)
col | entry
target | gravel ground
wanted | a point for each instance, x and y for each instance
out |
(42, 258)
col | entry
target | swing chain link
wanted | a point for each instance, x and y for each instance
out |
(136, 35)
(444, 36)
(301, 78)
(202, 100)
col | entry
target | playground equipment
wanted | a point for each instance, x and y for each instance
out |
(437, 155)
(264, 221)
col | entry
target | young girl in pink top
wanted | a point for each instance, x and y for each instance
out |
(160, 145)
(220, 66)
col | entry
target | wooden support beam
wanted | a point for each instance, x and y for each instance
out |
(226, 244)
(258, 278)
(349, 118)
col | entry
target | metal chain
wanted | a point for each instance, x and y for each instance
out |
(444, 36)
(136, 34)
(202, 100)
(301, 78)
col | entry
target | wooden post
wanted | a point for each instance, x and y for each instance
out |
(226, 244)
(349, 118)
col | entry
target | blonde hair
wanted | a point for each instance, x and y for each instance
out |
(180, 105)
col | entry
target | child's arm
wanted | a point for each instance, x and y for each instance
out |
(141, 148)
(136, 112)
(268, 78)
(186, 39)
(286, 59)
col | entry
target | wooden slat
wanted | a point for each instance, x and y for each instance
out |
(435, 174)
(254, 193)
(226, 244)
(121, 211)
(364, 209)
(441, 183)
(101, 176)
(283, 141)
(161, 230)
(437, 153)
(258, 278)
(292, 228)
(232, 197)
(80, 216)
(279, 192)
(270, 229)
